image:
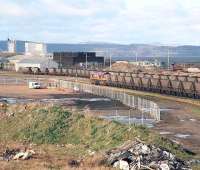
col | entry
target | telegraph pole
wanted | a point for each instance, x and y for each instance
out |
(110, 61)
(168, 60)
(104, 62)
(136, 56)
(60, 61)
(86, 61)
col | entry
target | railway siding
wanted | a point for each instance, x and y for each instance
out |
(187, 86)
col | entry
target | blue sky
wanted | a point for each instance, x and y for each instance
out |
(119, 21)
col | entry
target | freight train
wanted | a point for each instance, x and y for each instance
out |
(178, 85)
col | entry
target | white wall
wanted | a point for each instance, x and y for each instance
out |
(25, 65)
(41, 65)
(35, 49)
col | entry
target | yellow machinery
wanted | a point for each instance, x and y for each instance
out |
(99, 78)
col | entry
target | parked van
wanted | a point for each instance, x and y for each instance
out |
(34, 85)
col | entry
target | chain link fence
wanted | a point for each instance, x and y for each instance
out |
(144, 105)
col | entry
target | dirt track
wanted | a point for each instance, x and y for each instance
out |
(24, 92)
(180, 122)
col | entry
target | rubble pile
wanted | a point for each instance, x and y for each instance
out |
(138, 155)
(15, 154)
(74, 163)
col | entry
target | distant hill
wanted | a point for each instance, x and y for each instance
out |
(3, 46)
(20, 46)
(119, 51)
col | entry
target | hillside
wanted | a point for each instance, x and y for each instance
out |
(119, 50)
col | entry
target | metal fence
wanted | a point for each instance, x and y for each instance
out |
(144, 105)
(12, 81)
(25, 81)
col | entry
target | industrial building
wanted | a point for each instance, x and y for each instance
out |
(20, 62)
(35, 49)
(35, 57)
(36, 63)
(78, 59)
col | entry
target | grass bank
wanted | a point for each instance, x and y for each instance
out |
(56, 125)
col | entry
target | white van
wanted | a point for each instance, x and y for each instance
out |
(34, 85)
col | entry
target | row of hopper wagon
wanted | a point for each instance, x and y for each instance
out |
(178, 85)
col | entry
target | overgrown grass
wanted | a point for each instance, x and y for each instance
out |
(56, 125)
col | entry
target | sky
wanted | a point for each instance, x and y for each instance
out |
(116, 21)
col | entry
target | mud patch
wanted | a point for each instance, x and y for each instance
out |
(60, 100)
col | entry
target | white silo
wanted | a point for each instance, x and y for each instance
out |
(11, 46)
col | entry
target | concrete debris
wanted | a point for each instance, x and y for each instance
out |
(164, 166)
(140, 156)
(121, 165)
(15, 154)
(24, 155)
(18, 155)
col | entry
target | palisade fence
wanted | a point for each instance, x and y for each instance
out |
(144, 105)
